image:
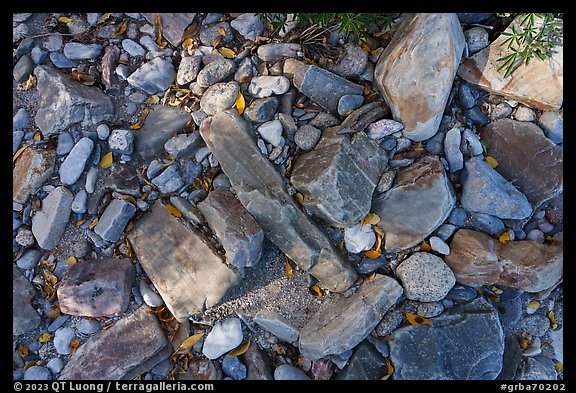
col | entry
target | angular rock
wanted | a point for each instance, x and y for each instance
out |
(536, 369)
(276, 51)
(169, 180)
(277, 325)
(538, 84)
(202, 369)
(265, 86)
(188, 210)
(476, 258)
(123, 179)
(31, 170)
(365, 364)
(132, 346)
(210, 35)
(182, 145)
(512, 358)
(224, 336)
(527, 156)
(249, 25)
(383, 128)
(219, 97)
(74, 164)
(419, 202)
(188, 69)
(93, 288)
(271, 132)
(261, 191)
(484, 190)
(62, 339)
(181, 264)
(261, 109)
(234, 368)
(415, 72)
(49, 222)
(133, 48)
(23, 69)
(342, 323)
(109, 62)
(29, 259)
(553, 125)
(121, 141)
(465, 342)
(60, 61)
(359, 238)
(62, 102)
(154, 76)
(24, 316)
(452, 149)
(258, 363)
(338, 177)
(425, 277)
(215, 72)
(160, 125)
(173, 24)
(236, 229)
(476, 38)
(114, 219)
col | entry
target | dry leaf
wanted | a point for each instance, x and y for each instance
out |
(504, 238)
(366, 48)
(371, 218)
(158, 29)
(217, 41)
(65, 19)
(106, 161)
(552, 319)
(240, 103)
(221, 30)
(191, 341)
(103, 18)
(378, 241)
(288, 269)
(417, 320)
(372, 254)
(240, 349)
(491, 161)
(30, 83)
(227, 53)
(389, 367)
(121, 28)
(425, 247)
(188, 43)
(22, 350)
(37, 136)
(44, 338)
(341, 245)
(534, 304)
(52, 314)
(173, 211)
(152, 100)
(36, 203)
(367, 89)
(315, 289)
(524, 342)
(299, 198)
(93, 223)
(140, 121)
(107, 326)
(279, 349)
(83, 77)
(71, 260)
(128, 198)
(379, 231)
(30, 364)
(74, 344)
(559, 367)
(19, 152)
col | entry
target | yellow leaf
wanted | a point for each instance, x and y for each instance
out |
(491, 161)
(227, 53)
(140, 121)
(128, 198)
(45, 337)
(64, 19)
(30, 364)
(371, 276)
(80, 222)
(504, 238)
(299, 198)
(191, 341)
(188, 43)
(30, 83)
(107, 326)
(37, 136)
(559, 367)
(173, 211)
(389, 367)
(52, 314)
(367, 89)
(22, 350)
(93, 223)
(159, 29)
(524, 342)
(379, 231)
(366, 48)
(372, 254)
(106, 161)
(341, 245)
(20, 151)
(425, 247)
(103, 18)
(417, 320)
(279, 349)
(121, 28)
(552, 319)
(153, 100)
(74, 344)
(71, 260)
(534, 304)
(239, 350)
(221, 30)
(288, 269)
(240, 103)
(378, 241)
(316, 289)
(371, 218)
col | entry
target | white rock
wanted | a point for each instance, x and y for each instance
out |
(425, 277)
(62, 339)
(383, 128)
(271, 132)
(359, 238)
(225, 336)
(265, 86)
(150, 297)
(439, 245)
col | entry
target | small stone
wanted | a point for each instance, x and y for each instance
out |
(465, 96)
(192, 171)
(38, 56)
(201, 154)
(215, 72)
(188, 69)
(91, 180)
(60, 61)
(462, 293)
(307, 137)
(476, 116)
(501, 111)
(471, 144)
(224, 336)
(37, 373)
(62, 339)
(169, 180)
(121, 141)
(182, 145)
(55, 365)
(476, 38)
(133, 48)
(210, 34)
(29, 259)
(150, 297)
(219, 97)
(277, 325)
(276, 51)
(445, 231)
(249, 25)
(287, 372)
(487, 223)
(53, 42)
(523, 113)
(383, 128)
(352, 62)
(429, 309)
(553, 125)
(74, 164)
(234, 368)
(439, 246)
(114, 219)
(197, 196)
(23, 69)
(271, 132)
(154, 76)
(425, 277)
(535, 235)
(24, 237)
(199, 117)
(245, 71)
(79, 51)
(348, 103)
(359, 238)
(79, 202)
(452, 149)
(49, 223)
(265, 86)
(261, 109)
(324, 120)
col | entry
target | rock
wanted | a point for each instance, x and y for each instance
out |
(452, 149)
(348, 103)
(465, 96)
(91, 180)
(324, 120)
(121, 141)
(510, 312)
(476, 258)
(307, 136)
(419, 202)
(123, 179)
(88, 326)
(16, 140)
(476, 38)
(236, 229)
(103, 132)
(471, 144)
(202, 154)
(538, 174)
(49, 222)
(74, 164)
(209, 35)
(234, 368)
(425, 277)
(535, 235)
(173, 24)
(277, 325)
(133, 48)
(182, 145)
(538, 84)
(92, 288)
(154, 76)
(109, 61)
(351, 63)
(365, 364)
(342, 323)
(62, 102)
(484, 190)
(322, 369)
(37, 373)
(28, 259)
(535, 325)
(169, 180)
(261, 191)
(79, 51)
(249, 25)
(553, 125)
(20, 120)
(219, 97)
(261, 109)
(55, 365)
(415, 72)
(523, 113)
(476, 116)
(132, 346)
(286, 372)
(535, 369)
(31, 170)
(512, 358)
(79, 202)
(53, 42)
(62, 339)
(60, 61)
(359, 238)
(338, 178)
(276, 51)
(271, 132)
(114, 219)
(383, 128)
(491, 225)
(188, 210)
(185, 270)
(224, 336)
(258, 363)
(465, 342)
(23, 69)
(215, 72)
(439, 246)
(265, 86)
(24, 237)
(19, 32)
(188, 69)
(202, 369)
(150, 297)
(24, 316)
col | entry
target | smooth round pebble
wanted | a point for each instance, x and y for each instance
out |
(38, 373)
(103, 131)
(425, 277)
(535, 235)
(150, 297)
(439, 245)
(225, 335)
(430, 309)
(55, 365)
(88, 326)
(523, 113)
(307, 136)
(62, 339)
(348, 103)
(288, 372)
(476, 38)
(271, 132)
(29, 259)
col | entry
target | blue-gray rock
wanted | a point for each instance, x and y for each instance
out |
(536, 369)
(192, 170)
(188, 69)
(465, 96)
(74, 164)
(24, 316)
(55, 365)
(249, 25)
(150, 297)
(465, 342)
(512, 358)
(88, 326)
(349, 103)
(16, 140)
(476, 38)
(535, 235)
(201, 154)
(182, 145)
(121, 141)
(351, 63)
(535, 325)
(24, 47)
(553, 125)
(484, 190)
(425, 277)
(473, 17)
(476, 115)
(65, 144)
(154, 76)
(154, 168)
(224, 336)
(62, 339)
(368, 265)
(114, 219)
(21, 17)
(245, 70)
(471, 144)
(277, 325)
(173, 24)
(60, 61)
(211, 17)
(103, 131)
(266, 85)
(365, 364)
(19, 32)
(487, 223)
(510, 312)
(261, 109)
(58, 322)
(219, 97)
(53, 42)
(122, 71)
(79, 202)
(215, 72)
(209, 34)
(23, 69)
(221, 182)
(38, 55)
(271, 132)
(169, 180)
(133, 48)
(435, 144)
(457, 217)
(452, 149)
(37, 373)
(199, 117)
(48, 224)
(29, 259)
(275, 51)
(234, 368)
(439, 245)
(20, 120)
(90, 185)
(197, 195)
(324, 120)
(286, 372)
(79, 51)
(462, 293)
(501, 111)
(383, 128)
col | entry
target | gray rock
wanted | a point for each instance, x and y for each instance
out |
(476, 115)
(342, 323)
(74, 164)
(31, 170)
(219, 97)
(23, 69)
(224, 336)
(265, 86)
(249, 25)
(154, 76)
(471, 145)
(53, 42)
(215, 72)
(553, 125)
(201, 154)
(62, 339)
(324, 120)
(79, 51)
(476, 38)
(103, 132)
(24, 237)
(114, 219)
(536, 368)
(150, 297)
(286, 372)
(277, 325)
(425, 277)
(348, 103)
(55, 365)
(535, 235)
(465, 342)
(24, 316)
(234, 368)
(534, 325)
(21, 17)
(16, 140)
(24, 47)
(438, 245)
(487, 223)
(20, 120)
(261, 109)
(29, 259)
(365, 364)
(121, 141)
(276, 51)
(465, 96)
(307, 137)
(351, 63)
(419, 202)
(37, 373)
(258, 363)
(61, 61)
(88, 326)
(192, 171)
(523, 113)
(199, 117)
(271, 132)
(19, 32)
(512, 358)
(501, 111)
(188, 69)
(211, 17)
(197, 195)
(245, 71)
(58, 323)
(173, 24)
(79, 202)
(182, 145)
(435, 145)
(429, 309)
(209, 34)
(63, 102)
(484, 190)
(510, 312)
(452, 149)
(169, 180)
(383, 128)
(49, 222)
(133, 48)
(462, 293)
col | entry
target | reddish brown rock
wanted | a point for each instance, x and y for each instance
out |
(476, 258)
(202, 369)
(31, 170)
(258, 363)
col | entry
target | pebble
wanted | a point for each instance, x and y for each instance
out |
(249, 25)
(452, 151)
(103, 131)
(38, 56)
(219, 97)
(275, 51)
(465, 96)
(430, 309)
(154, 76)
(209, 34)
(288, 372)
(535, 235)
(348, 103)
(215, 72)
(438, 245)
(234, 368)
(435, 144)
(150, 297)
(169, 180)
(261, 109)
(271, 132)
(79, 51)
(55, 365)
(197, 196)
(29, 259)
(485, 223)
(23, 69)
(188, 69)
(133, 48)
(192, 170)
(265, 86)
(553, 125)
(58, 322)
(198, 117)
(359, 238)
(122, 71)
(201, 154)
(121, 141)
(38, 373)
(224, 336)
(352, 63)
(545, 226)
(62, 339)
(221, 181)
(16, 140)
(523, 113)
(461, 293)
(79, 202)
(81, 248)
(307, 136)
(74, 164)
(24, 237)
(182, 145)
(90, 184)
(476, 38)
(476, 116)
(445, 231)
(501, 111)
(19, 32)
(471, 144)
(425, 277)
(24, 47)
(53, 42)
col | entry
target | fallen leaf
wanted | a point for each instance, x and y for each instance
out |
(106, 161)
(552, 319)
(491, 161)
(74, 344)
(188, 43)
(279, 349)
(524, 342)
(36, 203)
(316, 290)
(71, 260)
(417, 320)
(65, 19)
(121, 28)
(22, 350)
(152, 100)
(19, 152)
(190, 341)
(227, 53)
(173, 211)
(378, 241)
(83, 77)
(366, 89)
(379, 231)
(93, 223)
(534, 304)
(504, 238)
(44, 338)
(372, 254)
(559, 367)
(52, 314)
(425, 247)
(366, 48)
(299, 198)
(106, 327)
(240, 103)
(30, 83)
(288, 269)
(341, 245)
(221, 31)
(30, 364)
(140, 121)
(37, 136)
(159, 30)
(240, 349)
(371, 218)
(103, 18)
(128, 198)
(371, 276)
(389, 367)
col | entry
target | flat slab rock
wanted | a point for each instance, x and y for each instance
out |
(540, 84)
(130, 347)
(476, 258)
(24, 316)
(181, 264)
(342, 323)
